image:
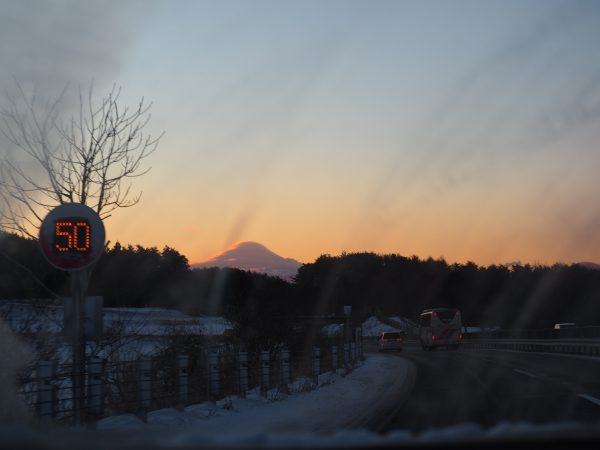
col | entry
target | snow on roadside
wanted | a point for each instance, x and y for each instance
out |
(331, 416)
(333, 330)
(372, 327)
(338, 403)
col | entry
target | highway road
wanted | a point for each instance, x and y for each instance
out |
(487, 387)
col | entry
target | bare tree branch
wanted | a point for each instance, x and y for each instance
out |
(85, 159)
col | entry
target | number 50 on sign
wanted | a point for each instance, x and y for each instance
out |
(72, 236)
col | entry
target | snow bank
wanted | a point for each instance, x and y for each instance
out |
(333, 330)
(372, 327)
(338, 403)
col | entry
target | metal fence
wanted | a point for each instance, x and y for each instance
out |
(578, 347)
(586, 332)
(178, 380)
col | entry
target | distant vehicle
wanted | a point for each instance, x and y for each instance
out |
(471, 331)
(391, 340)
(561, 326)
(440, 327)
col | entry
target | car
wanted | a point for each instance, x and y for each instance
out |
(391, 340)
(562, 326)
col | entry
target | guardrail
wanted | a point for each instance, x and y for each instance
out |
(574, 346)
(177, 380)
(585, 332)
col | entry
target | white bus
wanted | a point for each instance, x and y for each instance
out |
(440, 327)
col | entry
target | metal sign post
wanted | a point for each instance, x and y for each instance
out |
(72, 237)
(79, 280)
(347, 332)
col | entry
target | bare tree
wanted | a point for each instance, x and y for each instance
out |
(89, 158)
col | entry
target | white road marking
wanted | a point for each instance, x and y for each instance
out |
(523, 372)
(589, 398)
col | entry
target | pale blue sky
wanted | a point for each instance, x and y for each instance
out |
(467, 129)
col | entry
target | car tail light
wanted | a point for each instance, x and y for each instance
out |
(433, 337)
(399, 340)
(460, 336)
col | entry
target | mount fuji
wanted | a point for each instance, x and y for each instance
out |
(254, 257)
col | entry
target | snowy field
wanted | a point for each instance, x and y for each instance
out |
(151, 322)
(29, 318)
(128, 332)
(159, 321)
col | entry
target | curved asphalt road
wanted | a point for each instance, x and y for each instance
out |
(487, 387)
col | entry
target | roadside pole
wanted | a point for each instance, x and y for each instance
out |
(79, 281)
(72, 238)
(348, 332)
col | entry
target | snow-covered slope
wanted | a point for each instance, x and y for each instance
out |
(29, 318)
(373, 327)
(333, 330)
(159, 321)
(255, 257)
(402, 321)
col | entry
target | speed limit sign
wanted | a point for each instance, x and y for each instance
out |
(72, 236)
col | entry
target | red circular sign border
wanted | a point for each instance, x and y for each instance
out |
(78, 210)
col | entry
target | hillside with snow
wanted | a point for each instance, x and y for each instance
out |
(373, 327)
(31, 318)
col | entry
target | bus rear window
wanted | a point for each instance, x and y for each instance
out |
(445, 316)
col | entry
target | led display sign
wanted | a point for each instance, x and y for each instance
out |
(72, 236)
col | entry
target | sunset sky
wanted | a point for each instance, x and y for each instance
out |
(468, 130)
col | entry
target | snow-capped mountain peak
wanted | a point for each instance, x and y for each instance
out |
(255, 257)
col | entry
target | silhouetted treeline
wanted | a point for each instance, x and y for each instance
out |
(24, 273)
(521, 296)
(128, 276)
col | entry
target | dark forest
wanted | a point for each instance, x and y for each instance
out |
(516, 297)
